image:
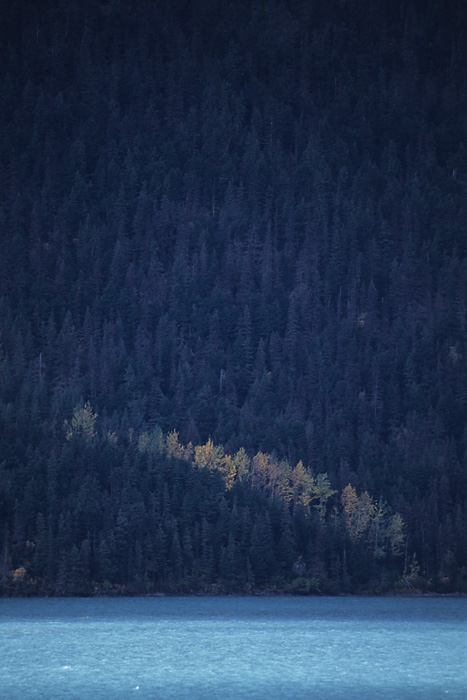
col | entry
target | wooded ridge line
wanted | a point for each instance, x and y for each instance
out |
(233, 245)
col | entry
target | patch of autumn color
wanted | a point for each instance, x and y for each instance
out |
(173, 447)
(82, 423)
(358, 510)
(18, 575)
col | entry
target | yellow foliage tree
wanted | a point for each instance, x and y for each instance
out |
(241, 461)
(303, 485)
(359, 511)
(260, 470)
(284, 486)
(209, 456)
(212, 457)
(228, 471)
(18, 575)
(83, 423)
(173, 447)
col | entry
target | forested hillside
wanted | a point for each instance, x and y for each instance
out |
(233, 296)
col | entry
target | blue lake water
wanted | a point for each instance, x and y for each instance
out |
(271, 648)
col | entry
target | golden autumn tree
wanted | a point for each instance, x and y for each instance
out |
(358, 510)
(83, 423)
(212, 457)
(373, 522)
(241, 462)
(173, 446)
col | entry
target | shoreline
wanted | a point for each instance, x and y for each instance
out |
(250, 594)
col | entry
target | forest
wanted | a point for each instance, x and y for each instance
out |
(233, 297)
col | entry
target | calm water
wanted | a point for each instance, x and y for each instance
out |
(216, 648)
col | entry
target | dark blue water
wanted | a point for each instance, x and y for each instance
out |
(265, 648)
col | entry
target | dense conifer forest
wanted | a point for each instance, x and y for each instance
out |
(233, 296)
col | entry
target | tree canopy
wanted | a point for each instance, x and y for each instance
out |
(233, 296)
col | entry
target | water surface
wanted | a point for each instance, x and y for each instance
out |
(271, 648)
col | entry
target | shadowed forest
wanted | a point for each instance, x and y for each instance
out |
(233, 296)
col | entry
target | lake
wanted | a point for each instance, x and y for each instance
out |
(269, 648)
